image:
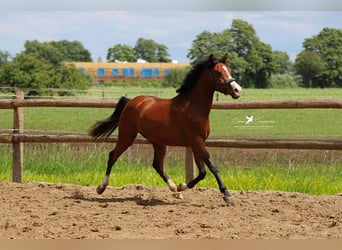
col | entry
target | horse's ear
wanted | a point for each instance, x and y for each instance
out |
(224, 58)
(211, 58)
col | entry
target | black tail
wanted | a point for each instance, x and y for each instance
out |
(105, 127)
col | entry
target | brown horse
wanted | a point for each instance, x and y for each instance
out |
(180, 121)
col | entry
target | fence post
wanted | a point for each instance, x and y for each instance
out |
(190, 166)
(18, 147)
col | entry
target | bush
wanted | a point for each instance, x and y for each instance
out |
(175, 77)
(29, 72)
(283, 81)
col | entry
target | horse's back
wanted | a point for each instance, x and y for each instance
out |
(142, 106)
(155, 119)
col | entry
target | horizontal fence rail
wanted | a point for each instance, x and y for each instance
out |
(18, 136)
(78, 103)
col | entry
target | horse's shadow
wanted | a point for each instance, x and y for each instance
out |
(137, 199)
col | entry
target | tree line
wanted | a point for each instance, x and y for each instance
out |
(144, 49)
(42, 65)
(254, 63)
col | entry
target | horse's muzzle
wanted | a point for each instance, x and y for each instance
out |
(234, 96)
(236, 90)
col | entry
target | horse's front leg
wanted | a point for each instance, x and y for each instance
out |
(201, 175)
(213, 168)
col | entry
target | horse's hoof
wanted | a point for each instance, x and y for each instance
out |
(100, 189)
(178, 196)
(228, 199)
(182, 187)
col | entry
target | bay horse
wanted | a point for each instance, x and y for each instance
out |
(180, 121)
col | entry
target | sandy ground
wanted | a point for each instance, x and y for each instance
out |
(61, 211)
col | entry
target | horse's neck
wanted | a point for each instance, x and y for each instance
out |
(200, 97)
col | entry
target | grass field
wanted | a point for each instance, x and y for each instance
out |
(313, 172)
(253, 170)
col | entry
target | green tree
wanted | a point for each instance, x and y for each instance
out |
(243, 37)
(42, 65)
(328, 46)
(218, 43)
(207, 43)
(256, 53)
(121, 52)
(58, 52)
(44, 51)
(149, 50)
(72, 51)
(282, 63)
(27, 71)
(4, 57)
(250, 59)
(310, 66)
(162, 53)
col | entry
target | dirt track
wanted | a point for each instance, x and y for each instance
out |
(43, 211)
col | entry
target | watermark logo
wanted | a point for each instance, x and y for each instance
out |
(250, 119)
(252, 122)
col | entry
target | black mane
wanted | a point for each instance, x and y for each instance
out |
(192, 77)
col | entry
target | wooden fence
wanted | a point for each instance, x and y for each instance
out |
(18, 136)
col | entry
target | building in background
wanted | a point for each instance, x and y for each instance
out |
(122, 71)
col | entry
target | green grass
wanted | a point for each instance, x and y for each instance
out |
(291, 94)
(294, 123)
(284, 123)
(85, 164)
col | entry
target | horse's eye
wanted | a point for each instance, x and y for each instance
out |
(219, 74)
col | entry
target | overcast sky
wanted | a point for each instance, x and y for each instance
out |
(98, 29)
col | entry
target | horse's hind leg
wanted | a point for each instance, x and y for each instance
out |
(120, 147)
(113, 156)
(158, 165)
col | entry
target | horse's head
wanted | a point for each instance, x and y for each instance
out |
(221, 77)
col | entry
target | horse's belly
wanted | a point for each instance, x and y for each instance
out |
(165, 135)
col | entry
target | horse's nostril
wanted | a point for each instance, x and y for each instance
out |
(236, 90)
